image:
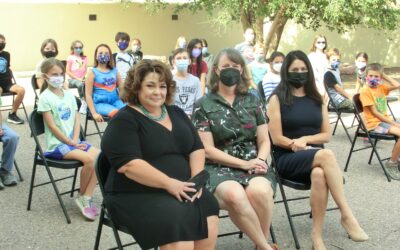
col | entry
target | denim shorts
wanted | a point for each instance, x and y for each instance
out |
(59, 152)
(382, 128)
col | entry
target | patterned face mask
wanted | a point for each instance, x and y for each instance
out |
(373, 82)
(103, 58)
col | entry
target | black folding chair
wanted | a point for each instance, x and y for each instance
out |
(89, 117)
(37, 128)
(102, 169)
(389, 100)
(260, 89)
(334, 109)
(18, 171)
(5, 94)
(35, 88)
(372, 137)
(282, 182)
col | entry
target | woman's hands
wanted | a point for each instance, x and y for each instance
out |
(299, 144)
(255, 166)
(179, 190)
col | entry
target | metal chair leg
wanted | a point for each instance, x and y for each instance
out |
(19, 173)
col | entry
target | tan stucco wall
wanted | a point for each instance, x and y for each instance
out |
(27, 25)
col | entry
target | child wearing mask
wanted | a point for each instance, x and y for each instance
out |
(77, 67)
(188, 89)
(257, 68)
(246, 47)
(102, 85)
(137, 50)
(319, 62)
(197, 67)
(6, 84)
(361, 64)
(207, 56)
(273, 77)
(333, 81)
(123, 60)
(62, 129)
(48, 49)
(373, 99)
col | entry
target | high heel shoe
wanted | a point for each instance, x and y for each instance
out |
(358, 236)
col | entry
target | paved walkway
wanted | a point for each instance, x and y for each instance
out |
(375, 202)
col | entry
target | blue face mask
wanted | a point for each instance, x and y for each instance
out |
(182, 64)
(196, 52)
(103, 58)
(204, 50)
(123, 45)
(335, 65)
(78, 51)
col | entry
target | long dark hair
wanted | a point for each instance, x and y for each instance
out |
(284, 90)
(198, 60)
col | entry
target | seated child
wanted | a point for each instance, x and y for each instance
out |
(373, 98)
(62, 130)
(102, 85)
(333, 81)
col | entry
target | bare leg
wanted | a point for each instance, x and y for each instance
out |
(396, 149)
(260, 194)
(88, 176)
(20, 91)
(318, 202)
(325, 159)
(232, 197)
(180, 245)
(210, 242)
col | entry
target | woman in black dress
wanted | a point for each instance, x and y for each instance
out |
(154, 149)
(299, 126)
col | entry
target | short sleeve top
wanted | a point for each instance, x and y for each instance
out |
(233, 127)
(63, 109)
(374, 97)
(131, 135)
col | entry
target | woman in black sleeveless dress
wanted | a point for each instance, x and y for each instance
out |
(153, 150)
(299, 126)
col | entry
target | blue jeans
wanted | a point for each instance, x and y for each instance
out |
(10, 141)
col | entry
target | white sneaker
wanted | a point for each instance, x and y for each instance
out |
(83, 108)
(84, 207)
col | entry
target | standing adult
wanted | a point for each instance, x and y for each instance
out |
(319, 61)
(299, 125)
(153, 150)
(233, 127)
(246, 47)
(197, 66)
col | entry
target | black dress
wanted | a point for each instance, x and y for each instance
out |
(153, 216)
(302, 118)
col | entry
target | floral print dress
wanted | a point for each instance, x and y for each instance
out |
(234, 130)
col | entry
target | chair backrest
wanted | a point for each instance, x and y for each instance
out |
(35, 87)
(36, 122)
(358, 107)
(102, 169)
(261, 91)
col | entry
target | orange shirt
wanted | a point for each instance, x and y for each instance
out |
(374, 97)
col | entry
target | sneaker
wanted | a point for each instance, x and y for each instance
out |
(1, 185)
(84, 206)
(7, 178)
(95, 209)
(83, 108)
(392, 168)
(13, 118)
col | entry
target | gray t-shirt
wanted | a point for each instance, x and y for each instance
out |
(188, 91)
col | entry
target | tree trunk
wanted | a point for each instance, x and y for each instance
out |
(275, 32)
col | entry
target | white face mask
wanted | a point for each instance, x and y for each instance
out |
(277, 67)
(320, 46)
(361, 65)
(56, 81)
(249, 38)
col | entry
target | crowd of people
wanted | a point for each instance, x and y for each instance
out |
(225, 113)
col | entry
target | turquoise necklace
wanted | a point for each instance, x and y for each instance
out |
(152, 117)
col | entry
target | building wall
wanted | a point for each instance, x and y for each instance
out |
(27, 25)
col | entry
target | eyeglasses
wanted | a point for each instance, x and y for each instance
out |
(321, 42)
(78, 47)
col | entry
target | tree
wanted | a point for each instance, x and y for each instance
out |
(339, 15)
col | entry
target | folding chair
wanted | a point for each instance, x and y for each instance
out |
(102, 169)
(37, 128)
(261, 91)
(389, 100)
(35, 88)
(282, 182)
(18, 172)
(9, 107)
(372, 137)
(89, 117)
(334, 109)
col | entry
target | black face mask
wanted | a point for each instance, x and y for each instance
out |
(230, 76)
(49, 54)
(297, 79)
(2, 46)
